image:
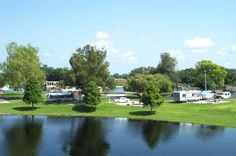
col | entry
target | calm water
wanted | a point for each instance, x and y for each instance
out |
(54, 136)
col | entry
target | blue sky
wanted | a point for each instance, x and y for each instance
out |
(133, 32)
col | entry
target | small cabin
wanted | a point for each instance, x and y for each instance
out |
(186, 96)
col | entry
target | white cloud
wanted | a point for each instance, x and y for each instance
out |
(199, 43)
(233, 48)
(46, 54)
(102, 35)
(222, 52)
(178, 54)
(129, 56)
(105, 42)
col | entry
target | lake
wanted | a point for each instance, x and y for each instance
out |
(80, 136)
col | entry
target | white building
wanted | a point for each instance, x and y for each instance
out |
(51, 84)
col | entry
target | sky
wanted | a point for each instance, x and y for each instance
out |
(134, 33)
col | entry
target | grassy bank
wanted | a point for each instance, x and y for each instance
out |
(221, 114)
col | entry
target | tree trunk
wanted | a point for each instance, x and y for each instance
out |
(32, 106)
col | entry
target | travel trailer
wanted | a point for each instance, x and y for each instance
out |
(186, 96)
(225, 95)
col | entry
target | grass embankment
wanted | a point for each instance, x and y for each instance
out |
(220, 114)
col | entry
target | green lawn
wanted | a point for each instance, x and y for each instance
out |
(220, 114)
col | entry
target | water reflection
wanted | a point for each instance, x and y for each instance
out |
(23, 138)
(205, 132)
(154, 132)
(87, 139)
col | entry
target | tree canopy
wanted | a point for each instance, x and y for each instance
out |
(33, 92)
(91, 94)
(64, 75)
(215, 74)
(151, 96)
(167, 64)
(22, 63)
(89, 64)
(139, 82)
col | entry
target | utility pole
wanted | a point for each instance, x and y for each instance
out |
(205, 80)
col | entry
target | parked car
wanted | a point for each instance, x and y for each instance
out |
(122, 100)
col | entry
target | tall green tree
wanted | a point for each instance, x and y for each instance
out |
(22, 63)
(215, 74)
(91, 95)
(89, 64)
(151, 96)
(33, 92)
(167, 64)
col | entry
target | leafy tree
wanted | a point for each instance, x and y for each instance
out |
(89, 64)
(22, 63)
(123, 76)
(110, 82)
(91, 95)
(64, 75)
(33, 92)
(167, 64)
(167, 67)
(139, 82)
(215, 74)
(188, 76)
(151, 96)
(143, 70)
(2, 80)
(230, 78)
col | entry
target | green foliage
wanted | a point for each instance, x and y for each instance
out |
(33, 92)
(89, 64)
(167, 64)
(22, 63)
(110, 83)
(139, 82)
(188, 76)
(2, 80)
(91, 94)
(64, 75)
(230, 78)
(215, 74)
(143, 70)
(151, 96)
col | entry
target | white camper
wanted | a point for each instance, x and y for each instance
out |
(226, 95)
(185, 96)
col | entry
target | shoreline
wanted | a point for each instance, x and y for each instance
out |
(206, 114)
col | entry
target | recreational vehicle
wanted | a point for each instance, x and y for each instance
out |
(185, 96)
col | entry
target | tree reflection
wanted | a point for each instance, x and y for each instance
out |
(23, 138)
(87, 140)
(205, 132)
(154, 132)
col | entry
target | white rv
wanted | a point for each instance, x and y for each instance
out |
(185, 96)
(225, 95)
